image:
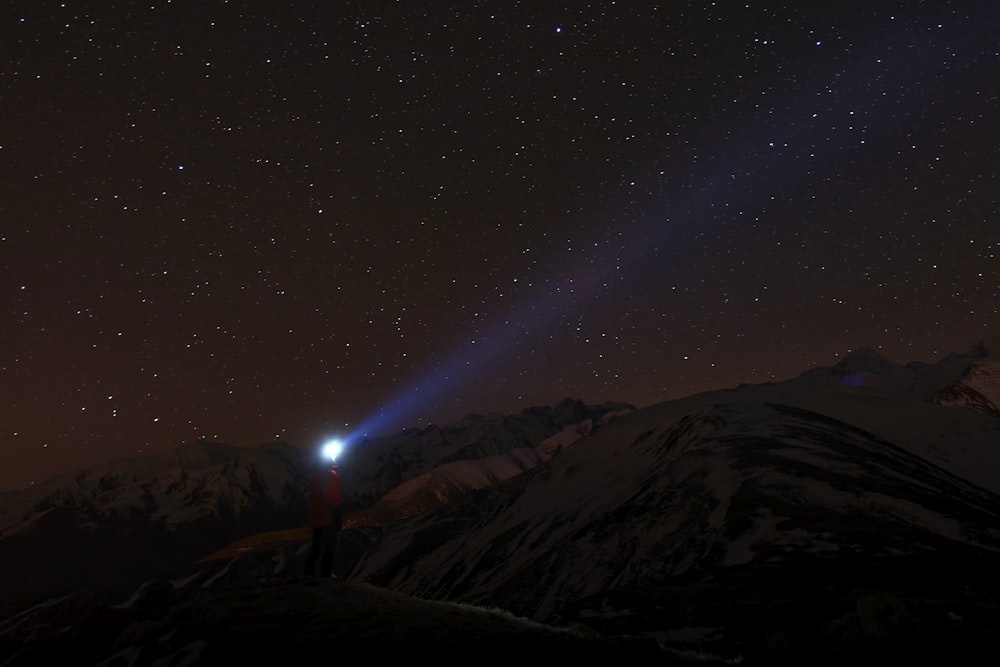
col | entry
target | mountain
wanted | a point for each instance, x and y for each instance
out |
(134, 519)
(661, 497)
(865, 366)
(279, 622)
(116, 525)
(378, 466)
(977, 381)
(970, 380)
(812, 501)
(817, 520)
(201, 480)
(453, 478)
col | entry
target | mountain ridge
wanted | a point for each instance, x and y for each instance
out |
(785, 521)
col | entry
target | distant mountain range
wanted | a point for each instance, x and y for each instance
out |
(969, 380)
(131, 519)
(851, 510)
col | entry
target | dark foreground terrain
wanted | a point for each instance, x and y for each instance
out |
(283, 622)
(909, 609)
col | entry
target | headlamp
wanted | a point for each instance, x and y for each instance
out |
(332, 449)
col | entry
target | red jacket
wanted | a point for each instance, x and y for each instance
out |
(324, 497)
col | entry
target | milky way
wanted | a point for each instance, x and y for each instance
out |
(243, 222)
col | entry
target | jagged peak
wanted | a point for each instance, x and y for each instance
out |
(866, 359)
(987, 348)
(868, 366)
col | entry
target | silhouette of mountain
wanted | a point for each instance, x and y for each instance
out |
(817, 520)
(137, 518)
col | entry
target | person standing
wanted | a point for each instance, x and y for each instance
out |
(324, 517)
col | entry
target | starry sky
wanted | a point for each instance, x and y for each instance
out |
(248, 221)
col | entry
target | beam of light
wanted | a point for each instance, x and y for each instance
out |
(743, 176)
(454, 371)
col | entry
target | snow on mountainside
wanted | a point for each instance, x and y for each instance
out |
(198, 481)
(113, 526)
(970, 380)
(785, 519)
(657, 495)
(205, 495)
(978, 386)
(865, 366)
(450, 480)
(373, 468)
(961, 441)
(206, 480)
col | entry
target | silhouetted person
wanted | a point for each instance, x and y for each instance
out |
(324, 516)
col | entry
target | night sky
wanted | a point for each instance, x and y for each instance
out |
(248, 221)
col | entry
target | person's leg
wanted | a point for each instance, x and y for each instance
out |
(314, 549)
(326, 560)
(334, 542)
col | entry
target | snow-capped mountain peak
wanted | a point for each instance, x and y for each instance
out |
(988, 348)
(866, 366)
(200, 480)
(757, 515)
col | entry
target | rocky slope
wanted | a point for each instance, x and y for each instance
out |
(847, 514)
